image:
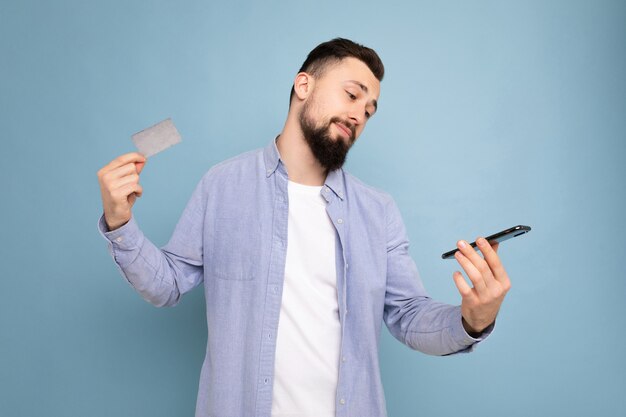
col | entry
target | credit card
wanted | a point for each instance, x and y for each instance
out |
(156, 138)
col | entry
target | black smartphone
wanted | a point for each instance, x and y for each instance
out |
(496, 237)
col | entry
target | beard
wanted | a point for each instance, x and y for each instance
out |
(330, 153)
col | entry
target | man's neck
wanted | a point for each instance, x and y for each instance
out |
(296, 154)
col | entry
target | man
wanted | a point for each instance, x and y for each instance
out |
(300, 261)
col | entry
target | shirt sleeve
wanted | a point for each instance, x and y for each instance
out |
(161, 276)
(410, 314)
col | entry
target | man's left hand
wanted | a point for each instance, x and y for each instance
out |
(480, 304)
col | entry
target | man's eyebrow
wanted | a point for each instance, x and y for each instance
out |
(365, 90)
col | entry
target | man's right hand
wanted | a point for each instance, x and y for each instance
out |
(119, 187)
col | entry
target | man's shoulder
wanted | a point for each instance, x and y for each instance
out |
(244, 163)
(376, 204)
(360, 189)
(242, 160)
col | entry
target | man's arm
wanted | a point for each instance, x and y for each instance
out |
(410, 314)
(161, 276)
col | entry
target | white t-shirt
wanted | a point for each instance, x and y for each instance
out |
(309, 332)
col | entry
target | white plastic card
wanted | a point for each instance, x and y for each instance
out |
(156, 138)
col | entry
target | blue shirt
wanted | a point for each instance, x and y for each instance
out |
(232, 238)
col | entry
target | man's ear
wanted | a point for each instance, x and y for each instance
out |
(303, 85)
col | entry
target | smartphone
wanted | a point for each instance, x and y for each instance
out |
(496, 237)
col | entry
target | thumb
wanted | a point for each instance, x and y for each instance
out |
(139, 166)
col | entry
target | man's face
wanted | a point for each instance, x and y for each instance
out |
(334, 115)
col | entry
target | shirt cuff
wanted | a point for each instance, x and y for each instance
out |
(124, 242)
(461, 336)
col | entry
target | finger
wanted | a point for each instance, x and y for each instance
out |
(124, 159)
(139, 166)
(120, 172)
(478, 262)
(464, 289)
(472, 272)
(492, 259)
(128, 179)
(138, 191)
(127, 190)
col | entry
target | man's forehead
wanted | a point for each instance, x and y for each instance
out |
(355, 71)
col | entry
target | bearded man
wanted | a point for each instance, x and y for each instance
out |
(301, 262)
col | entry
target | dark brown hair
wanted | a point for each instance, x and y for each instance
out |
(333, 51)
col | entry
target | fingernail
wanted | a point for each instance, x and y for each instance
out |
(481, 241)
(462, 244)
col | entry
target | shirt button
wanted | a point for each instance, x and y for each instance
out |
(119, 239)
(343, 359)
(342, 401)
(266, 380)
(339, 221)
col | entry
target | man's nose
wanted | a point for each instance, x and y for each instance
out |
(357, 116)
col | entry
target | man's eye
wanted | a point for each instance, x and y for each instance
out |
(352, 96)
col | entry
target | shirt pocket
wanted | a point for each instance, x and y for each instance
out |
(235, 248)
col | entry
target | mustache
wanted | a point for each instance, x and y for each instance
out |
(346, 123)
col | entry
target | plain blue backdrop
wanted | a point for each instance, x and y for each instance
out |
(492, 114)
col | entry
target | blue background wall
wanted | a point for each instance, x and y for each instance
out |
(492, 113)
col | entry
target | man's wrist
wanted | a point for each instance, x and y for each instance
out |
(111, 226)
(470, 330)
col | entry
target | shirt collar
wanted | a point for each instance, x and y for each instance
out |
(334, 179)
(271, 157)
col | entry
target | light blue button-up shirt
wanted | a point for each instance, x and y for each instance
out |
(232, 237)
